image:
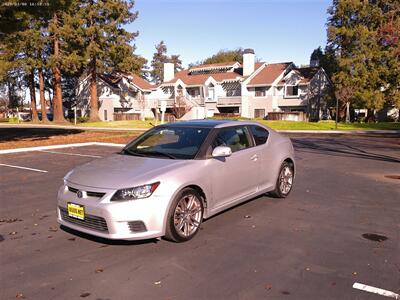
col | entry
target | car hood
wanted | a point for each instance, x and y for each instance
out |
(121, 171)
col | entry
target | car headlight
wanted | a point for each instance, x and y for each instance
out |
(138, 192)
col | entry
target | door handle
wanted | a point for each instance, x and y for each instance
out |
(254, 157)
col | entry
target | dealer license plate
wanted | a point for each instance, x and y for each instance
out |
(76, 211)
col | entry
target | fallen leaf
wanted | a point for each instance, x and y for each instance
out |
(157, 282)
(53, 229)
(35, 224)
(354, 273)
(247, 216)
(307, 269)
(72, 239)
(13, 233)
(10, 220)
(84, 295)
(99, 270)
(20, 296)
(268, 286)
(44, 216)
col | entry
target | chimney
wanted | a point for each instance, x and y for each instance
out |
(169, 72)
(248, 62)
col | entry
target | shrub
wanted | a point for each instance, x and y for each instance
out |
(82, 119)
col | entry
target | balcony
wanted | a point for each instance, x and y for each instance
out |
(292, 102)
(229, 101)
(170, 102)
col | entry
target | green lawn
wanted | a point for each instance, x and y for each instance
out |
(279, 125)
(329, 125)
(119, 124)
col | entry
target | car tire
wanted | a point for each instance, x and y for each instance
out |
(285, 181)
(185, 216)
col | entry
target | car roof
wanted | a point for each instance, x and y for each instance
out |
(210, 123)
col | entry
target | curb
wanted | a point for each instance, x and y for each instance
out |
(71, 127)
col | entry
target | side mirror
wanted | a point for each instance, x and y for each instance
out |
(221, 151)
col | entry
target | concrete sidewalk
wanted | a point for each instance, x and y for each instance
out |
(144, 129)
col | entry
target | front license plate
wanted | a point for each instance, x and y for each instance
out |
(76, 211)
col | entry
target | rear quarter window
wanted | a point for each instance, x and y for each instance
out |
(260, 134)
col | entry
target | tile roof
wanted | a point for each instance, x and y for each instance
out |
(269, 74)
(220, 65)
(200, 79)
(141, 83)
(114, 78)
(307, 73)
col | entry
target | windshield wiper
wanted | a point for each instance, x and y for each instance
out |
(160, 154)
(130, 152)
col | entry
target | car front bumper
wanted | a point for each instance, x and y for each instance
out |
(126, 220)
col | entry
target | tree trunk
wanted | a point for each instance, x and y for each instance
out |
(31, 84)
(94, 106)
(370, 116)
(58, 113)
(42, 99)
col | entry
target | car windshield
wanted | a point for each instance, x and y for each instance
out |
(168, 142)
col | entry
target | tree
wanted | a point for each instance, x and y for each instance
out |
(157, 64)
(159, 58)
(97, 28)
(175, 59)
(222, 56)
(20, 48)
(367, 68)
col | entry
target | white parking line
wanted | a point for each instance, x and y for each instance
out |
(8, 151)
(24, 168)
(371, 289)
(73, 154)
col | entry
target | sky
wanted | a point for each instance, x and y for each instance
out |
(277, 30)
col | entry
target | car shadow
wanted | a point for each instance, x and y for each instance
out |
(242, 204)
(105, 241)
(1, 238)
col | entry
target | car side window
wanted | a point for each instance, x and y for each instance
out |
(233, 137)
(260, 134)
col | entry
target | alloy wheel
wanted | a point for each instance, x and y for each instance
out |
(285, 180)
(187, 215)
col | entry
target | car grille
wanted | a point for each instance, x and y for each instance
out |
(137, 226)
(92, 222)
(90, 194)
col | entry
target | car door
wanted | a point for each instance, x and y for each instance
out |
(264, 151)
(234, 177)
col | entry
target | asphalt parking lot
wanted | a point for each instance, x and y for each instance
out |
(308, 246)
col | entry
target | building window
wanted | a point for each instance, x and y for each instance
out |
(259, 113)
(260, 91)
(194, 92)
(292, 90)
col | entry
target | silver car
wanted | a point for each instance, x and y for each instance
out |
(166, 181)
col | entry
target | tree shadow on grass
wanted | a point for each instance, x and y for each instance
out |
(33, 134)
